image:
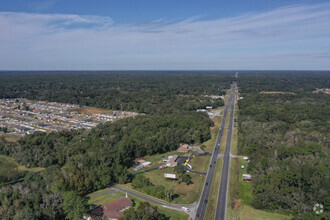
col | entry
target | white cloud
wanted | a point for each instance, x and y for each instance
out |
(293, 37)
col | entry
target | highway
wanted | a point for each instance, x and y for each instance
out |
(200, 213)
(223, 192)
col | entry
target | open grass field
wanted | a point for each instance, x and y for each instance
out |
(186, 194)
(213, 198)
(8, 166)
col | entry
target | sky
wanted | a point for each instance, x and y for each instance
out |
(165, 35)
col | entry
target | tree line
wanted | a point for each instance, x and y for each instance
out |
(286, 138)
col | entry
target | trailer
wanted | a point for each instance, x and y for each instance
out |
(169, 175)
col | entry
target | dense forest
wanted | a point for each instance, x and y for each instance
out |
(78, 162)
(143, 92)
(287, 139)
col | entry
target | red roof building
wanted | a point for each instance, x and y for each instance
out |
(112, 210)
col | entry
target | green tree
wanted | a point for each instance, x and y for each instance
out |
(186, 178)
(74, 206)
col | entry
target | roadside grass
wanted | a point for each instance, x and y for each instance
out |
(234, 150)
(170, 213)
(214, 134)
(189, 193)
(213, 198)
(249, 213)
(200, 164)
(93, 193)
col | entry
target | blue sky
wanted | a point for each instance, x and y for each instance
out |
(159, 34)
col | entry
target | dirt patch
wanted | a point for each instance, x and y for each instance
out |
(277, 92)
(90, 110)
(238, 203)
(11, 138)
(212, 128)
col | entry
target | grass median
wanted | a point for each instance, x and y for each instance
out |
(213, 198)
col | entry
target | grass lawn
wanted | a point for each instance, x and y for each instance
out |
(213, 198)
(156, 161)
(186, 193)
(103, 199)
(223, 141)
(201, 163)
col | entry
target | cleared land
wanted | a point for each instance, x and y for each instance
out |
(11, 138)
(277, 92)
(8, 166)
(91, 110)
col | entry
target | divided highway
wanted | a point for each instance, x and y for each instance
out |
(223, 192)
(210, 174)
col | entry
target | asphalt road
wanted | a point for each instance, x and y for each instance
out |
(210, 174)
(152, 201)
(223, 192)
